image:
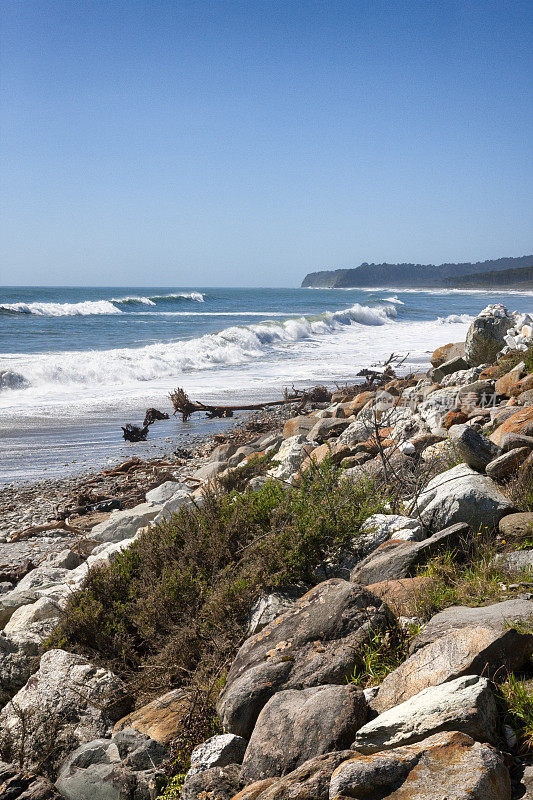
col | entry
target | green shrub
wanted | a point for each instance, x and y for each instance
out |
(171, 609)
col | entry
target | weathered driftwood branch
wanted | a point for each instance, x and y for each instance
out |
(186, 407)
(50, 526)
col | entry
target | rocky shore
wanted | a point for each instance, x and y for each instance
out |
(354, 585)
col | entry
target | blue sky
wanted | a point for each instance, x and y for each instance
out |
(247, 143)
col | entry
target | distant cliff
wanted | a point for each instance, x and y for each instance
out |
(510, 278)
(407, 274)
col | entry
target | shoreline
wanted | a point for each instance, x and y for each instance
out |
(401, 498)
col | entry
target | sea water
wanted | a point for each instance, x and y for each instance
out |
(77, 363)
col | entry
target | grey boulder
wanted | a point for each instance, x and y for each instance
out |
(125, 524)
(462, 495)
(66, 703)
(218, 751)
(486, 335)
(446, 765)
(477, 450)
(399, 559)
(219, 783)
(517, 560)
(465, 704)
(506, 464)
(462, 651)
(296, 725)
(498, 615)
(111, 769)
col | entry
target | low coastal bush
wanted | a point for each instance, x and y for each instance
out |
(172, 609)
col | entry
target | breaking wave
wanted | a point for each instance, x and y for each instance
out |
(91, 307)
(232, 346)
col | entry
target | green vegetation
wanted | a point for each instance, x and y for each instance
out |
(385, 651)
(171, 609)
(518, 696)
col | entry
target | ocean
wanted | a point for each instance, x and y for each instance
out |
(77, 363)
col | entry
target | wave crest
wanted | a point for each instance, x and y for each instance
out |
(232, 346)
(83, 309)
(90, 307)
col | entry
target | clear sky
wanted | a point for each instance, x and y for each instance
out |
(169, 142)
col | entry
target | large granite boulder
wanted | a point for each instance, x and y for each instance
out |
(486, 335)
(318, 641)
(446, 765)
(296, 725)
(398, 559)
(521, 422)
(498, 615)
(66, 703)
(112, 769)
(125, 524)
(505, 465)
(393, 526)
(465, 704)
(446, 352)
(289, 457)
(20, 643)
(462, 495)
(462, 651)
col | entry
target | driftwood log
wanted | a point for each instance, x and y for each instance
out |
(184, 406)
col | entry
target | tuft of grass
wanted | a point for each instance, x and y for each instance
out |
(520, 488)
(474, 580)
(384, 652)
(518, 697)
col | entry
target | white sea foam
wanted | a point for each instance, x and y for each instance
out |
(61, 309)
(455, 318)
(145, 301)
(231, 346)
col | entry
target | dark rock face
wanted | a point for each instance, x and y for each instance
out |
(316, 642)
(296, 725)
(477, 450)
(16, 784)
(397, 559)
